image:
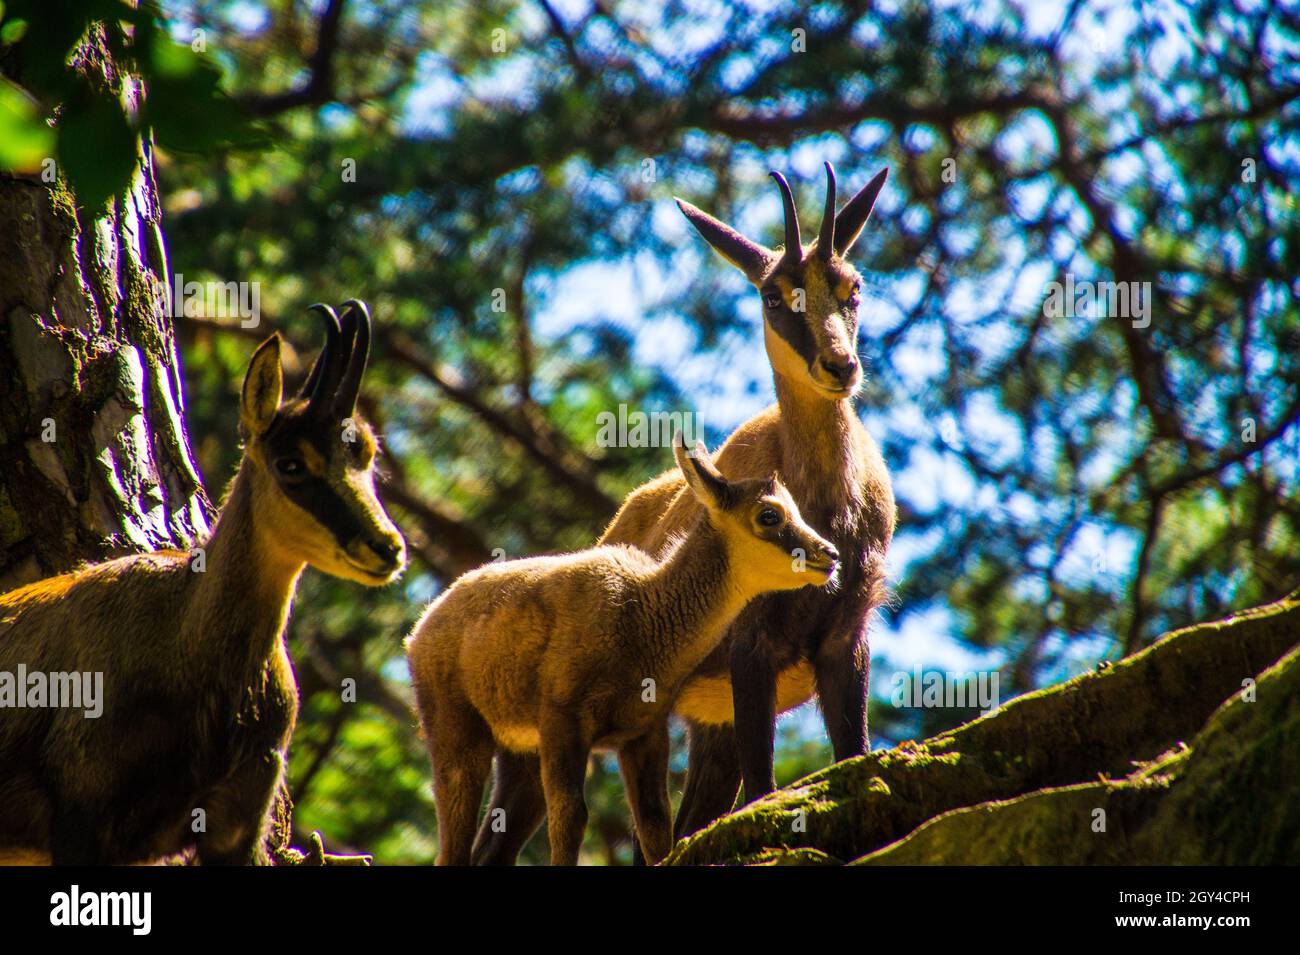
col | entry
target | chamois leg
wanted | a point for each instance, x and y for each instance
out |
(564, 753)
(644, 764)
(842, 668)
(753, 690)
(236, 811)
(712, 778)
(461, 745)
(517, 792)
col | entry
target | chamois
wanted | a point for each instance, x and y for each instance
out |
(199, 694)
(548, 657)
(783, 647)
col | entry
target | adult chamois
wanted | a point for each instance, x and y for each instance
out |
(548, 657)
(199, 698)
(783, 647)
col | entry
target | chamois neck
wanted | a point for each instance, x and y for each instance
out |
(244, 593)
(697, 593)
(820, 439)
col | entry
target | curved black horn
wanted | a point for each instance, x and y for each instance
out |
(854, 215)
(345, 400)
(826, 238)
(312, 385)
(793, 244)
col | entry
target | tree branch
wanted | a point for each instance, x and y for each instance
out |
(319, 87)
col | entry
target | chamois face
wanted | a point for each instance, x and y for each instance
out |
(773, 547)
(313, 460)
(810, 295)
(817, 345)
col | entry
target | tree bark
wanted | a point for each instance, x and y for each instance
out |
(94, 457)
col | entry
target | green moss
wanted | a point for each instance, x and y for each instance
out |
(1227, 799)
(1026, 783)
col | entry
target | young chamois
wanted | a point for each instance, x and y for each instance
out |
(199, 698)
(548, 657)
(783, 647)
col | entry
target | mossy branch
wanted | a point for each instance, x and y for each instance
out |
(1098, 726)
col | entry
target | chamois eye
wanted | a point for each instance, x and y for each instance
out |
(290, 467)
(769, 517)
(772, 299)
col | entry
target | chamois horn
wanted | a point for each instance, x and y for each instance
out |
(793, 244)
(312, 385)
(826, 238)
(345, 399)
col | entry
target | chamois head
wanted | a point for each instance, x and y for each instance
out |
(313, 457)
(765, 533)
(810, 296)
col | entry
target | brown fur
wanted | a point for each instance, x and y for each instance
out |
(199, 694)
(783, 646)
(545, 658)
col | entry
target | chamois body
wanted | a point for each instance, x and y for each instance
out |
(199, 703)
(199, 694)
(518, 636)
(783, 647)
(543, 659)
(843, 491)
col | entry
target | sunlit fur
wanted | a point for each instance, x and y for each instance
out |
(547, 657)
(199, 694)
(810, 640)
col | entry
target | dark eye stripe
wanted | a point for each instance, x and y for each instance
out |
(321, 501)
(793, 330)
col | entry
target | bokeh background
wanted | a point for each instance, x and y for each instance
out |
(1069, 487)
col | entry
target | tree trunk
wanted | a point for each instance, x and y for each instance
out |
(94, 457)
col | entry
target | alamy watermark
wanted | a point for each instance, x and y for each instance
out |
(241, 300)
(133, 910)
(35, 689)
(937, 689)
(640, 429)
(1131, 300)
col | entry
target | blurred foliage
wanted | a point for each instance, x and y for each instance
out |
(100, 117)
(1068, 487)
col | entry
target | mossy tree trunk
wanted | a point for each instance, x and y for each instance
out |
(94, 458)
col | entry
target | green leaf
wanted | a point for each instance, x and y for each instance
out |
(25, 139)
(186, 106)
(97, 147)
(12, 31)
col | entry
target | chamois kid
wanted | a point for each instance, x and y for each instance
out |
(199, 697)
(547, 657)
(783, 647)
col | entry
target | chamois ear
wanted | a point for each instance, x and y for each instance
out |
(705, 481)
(263, 386)
(854, 215)
(750, 257)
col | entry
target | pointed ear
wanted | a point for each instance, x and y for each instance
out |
(750, 257)
(849, 223)
(705, 481)
(262, 387)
